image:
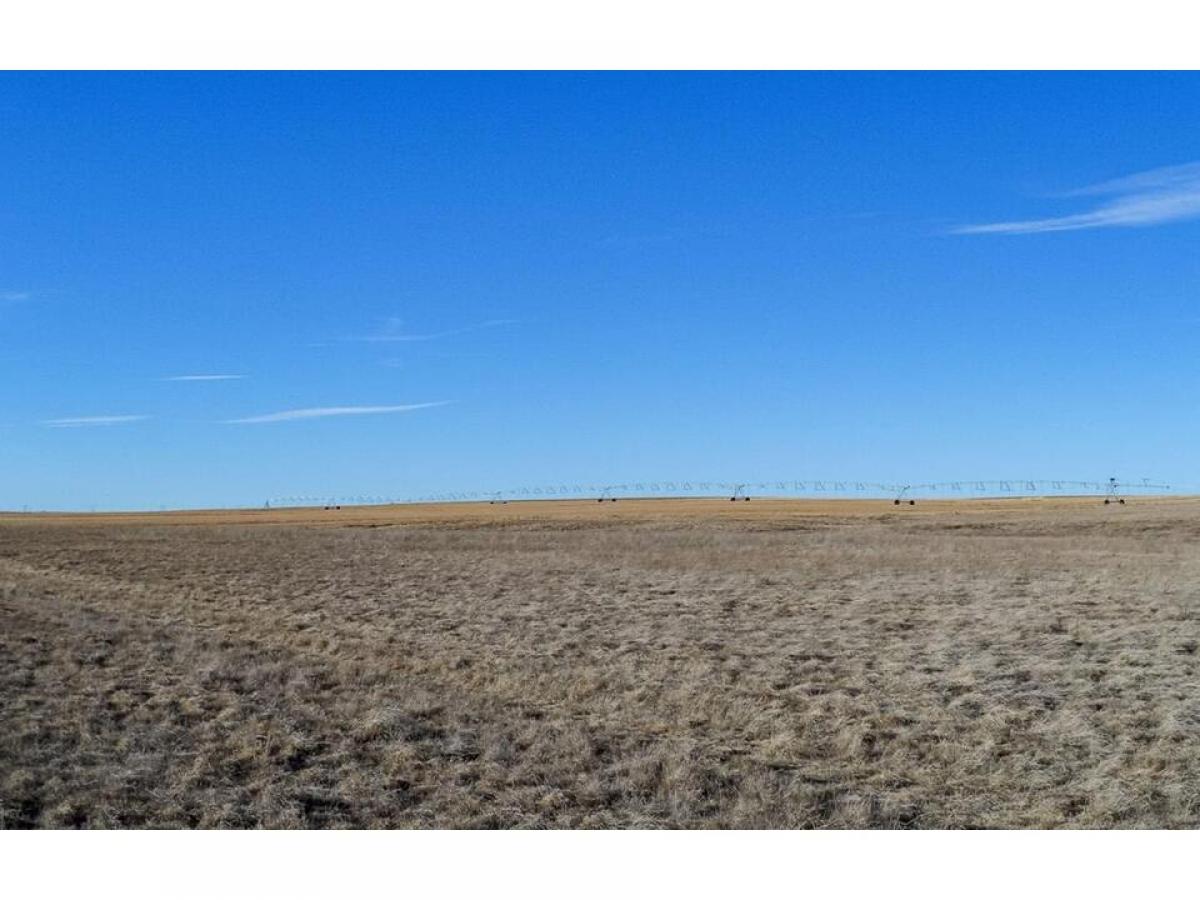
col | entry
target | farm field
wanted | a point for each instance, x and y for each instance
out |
(675, 663)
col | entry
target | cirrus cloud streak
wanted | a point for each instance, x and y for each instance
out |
(393, 332)
(85, 421)
(203, 377)
(1170, 194)
(321, 412)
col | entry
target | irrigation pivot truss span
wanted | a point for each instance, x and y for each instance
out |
(1111, 490)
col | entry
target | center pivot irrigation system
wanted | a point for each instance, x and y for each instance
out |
(1111, 491)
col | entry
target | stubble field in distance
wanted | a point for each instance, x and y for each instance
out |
(676, 663)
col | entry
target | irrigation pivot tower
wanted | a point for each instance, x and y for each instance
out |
(1113, 495)
(1117, 491)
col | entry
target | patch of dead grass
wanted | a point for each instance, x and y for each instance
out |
(986, 667)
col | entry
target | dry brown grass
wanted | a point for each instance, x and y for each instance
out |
(1016, 664)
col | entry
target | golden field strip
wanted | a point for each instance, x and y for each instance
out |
(576, 511)
(645, 663)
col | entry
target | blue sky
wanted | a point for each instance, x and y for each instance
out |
(435, 282)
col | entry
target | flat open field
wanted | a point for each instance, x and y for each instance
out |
(677, 663)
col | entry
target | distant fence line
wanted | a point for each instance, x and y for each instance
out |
(745, 489)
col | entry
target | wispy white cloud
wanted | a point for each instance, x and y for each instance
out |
(84, 421)
(1169, 194)
(393, 332)
(203, 377)
(14, 296)
(321, 412)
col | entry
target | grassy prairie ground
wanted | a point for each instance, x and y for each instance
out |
(773, 664)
